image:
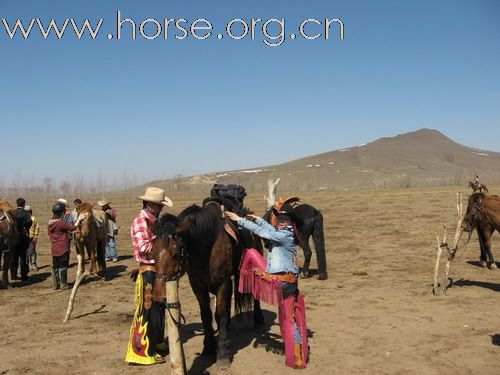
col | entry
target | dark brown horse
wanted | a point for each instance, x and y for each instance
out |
(483, 214)
(8, 240)
(309, 224)
(196, 242)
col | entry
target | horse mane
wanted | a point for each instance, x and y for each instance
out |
(205, 226)
(167, 224)
(85, 207)
(6, 207)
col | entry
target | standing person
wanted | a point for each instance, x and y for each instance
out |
(74, 212)
(147, 344)
(23, 221)
(59, 231)
(277, 277)
(74, 215)
(68, 217)
(111, 230)
(34, 233)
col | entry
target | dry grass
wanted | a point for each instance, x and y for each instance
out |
(375, 315)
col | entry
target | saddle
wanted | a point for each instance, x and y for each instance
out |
(230, 227)
(231, 196)
(292, 202)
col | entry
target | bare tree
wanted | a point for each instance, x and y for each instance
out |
(78, 185)
(48, 188)
(65, 188)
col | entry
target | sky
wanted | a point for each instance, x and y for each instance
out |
(151, 109)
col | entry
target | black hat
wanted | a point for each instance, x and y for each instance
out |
(287, 210)
(58, 208)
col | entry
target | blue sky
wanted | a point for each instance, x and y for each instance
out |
(153, 109)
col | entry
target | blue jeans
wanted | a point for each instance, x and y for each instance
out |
(111, 248)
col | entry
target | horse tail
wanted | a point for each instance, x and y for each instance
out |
(318, 235)
(242, 302)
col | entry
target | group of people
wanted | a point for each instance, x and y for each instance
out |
(60, 232)
(147, 344)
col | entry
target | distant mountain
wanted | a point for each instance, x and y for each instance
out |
(422, 158)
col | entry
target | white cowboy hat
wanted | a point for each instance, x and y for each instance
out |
(103, 202)
(156, 195)
(63, 201)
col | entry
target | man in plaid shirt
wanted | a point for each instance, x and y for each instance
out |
(147, 344)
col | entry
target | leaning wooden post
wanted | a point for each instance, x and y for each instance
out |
(271, 191)
(440, 245)
(80, 275)
(177, 360)
(456, 240)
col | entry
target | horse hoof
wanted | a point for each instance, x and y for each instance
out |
(484, 264)
(493, 266)
(304, 275)
(322, 276)
(223, 363)
(2, 286)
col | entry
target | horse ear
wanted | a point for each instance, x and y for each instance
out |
(183, 227)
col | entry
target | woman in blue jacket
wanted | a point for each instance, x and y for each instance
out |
(275, 281)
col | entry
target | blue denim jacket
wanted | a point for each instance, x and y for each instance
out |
(283, 257)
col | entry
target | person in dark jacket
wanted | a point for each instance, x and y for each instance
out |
(23, 223)
(58, 231)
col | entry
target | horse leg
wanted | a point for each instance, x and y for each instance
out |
(487, 244)
(318, 235)
(304, 243)
(258, 317)
(222, 317)
(5, 268)
(209, 345)
(91, 250)
(101, 255)
(482, 246)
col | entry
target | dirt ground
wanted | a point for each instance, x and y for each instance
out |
(374, 315)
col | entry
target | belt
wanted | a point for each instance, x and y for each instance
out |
(285, 277)
(147, 267)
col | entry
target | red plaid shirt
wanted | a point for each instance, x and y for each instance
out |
(142, 237)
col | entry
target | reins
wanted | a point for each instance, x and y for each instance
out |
(160, 276)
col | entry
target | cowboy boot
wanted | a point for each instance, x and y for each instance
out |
(55, 278)
(298, 356)
(63, 274)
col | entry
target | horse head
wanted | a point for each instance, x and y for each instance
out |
(474, 214)
(8, 230)
(168, 248)
(84, 228)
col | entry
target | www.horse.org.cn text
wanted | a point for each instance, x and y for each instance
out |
(271, 32)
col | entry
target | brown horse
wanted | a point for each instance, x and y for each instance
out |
(86, 236)
(196, 241)
(483, 214)
(8, 240)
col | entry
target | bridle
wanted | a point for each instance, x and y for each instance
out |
(180, 267)
(478, 207)
(182, 261)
